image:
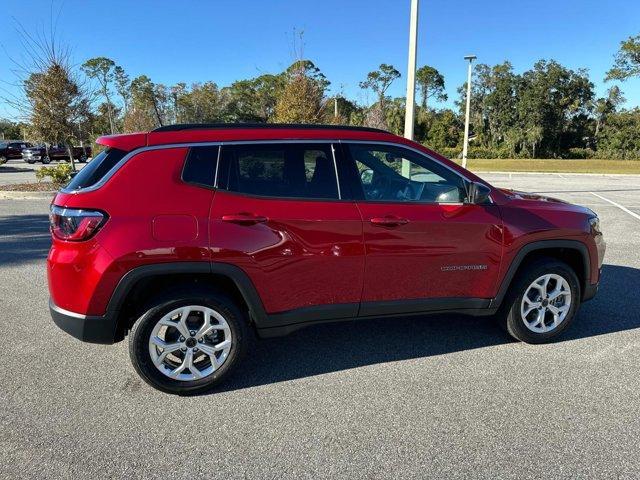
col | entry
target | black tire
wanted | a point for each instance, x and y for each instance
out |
(510, 316)
(46, 160)
(241, 334)
(3, 159)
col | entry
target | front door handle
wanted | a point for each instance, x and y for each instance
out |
(244, 218)
(389, 221)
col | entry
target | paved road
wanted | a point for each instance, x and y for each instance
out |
(18, 171)
(411, 398)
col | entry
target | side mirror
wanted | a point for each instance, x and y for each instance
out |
(479, 193)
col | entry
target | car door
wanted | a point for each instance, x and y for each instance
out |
(426, 247)
(14, 151)
(278, 214)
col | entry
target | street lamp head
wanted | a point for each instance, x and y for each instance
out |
(471, 58)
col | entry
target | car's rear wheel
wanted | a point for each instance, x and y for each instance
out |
(542, 302)
(189, 343)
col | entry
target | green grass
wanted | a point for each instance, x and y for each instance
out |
(553, 165)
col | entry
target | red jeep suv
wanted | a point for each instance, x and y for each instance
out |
(191, 239)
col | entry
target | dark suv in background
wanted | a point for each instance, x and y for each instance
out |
(11, 150)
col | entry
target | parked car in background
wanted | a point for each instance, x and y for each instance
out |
(10, 150)
(264, 229)
(56, 152)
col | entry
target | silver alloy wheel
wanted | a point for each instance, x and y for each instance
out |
(190, 343)
(546, 303)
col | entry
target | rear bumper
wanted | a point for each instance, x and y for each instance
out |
(88, 328)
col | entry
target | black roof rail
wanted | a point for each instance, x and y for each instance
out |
(266, 126)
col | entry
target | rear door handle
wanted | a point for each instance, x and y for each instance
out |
(389, 221)
(244, 218)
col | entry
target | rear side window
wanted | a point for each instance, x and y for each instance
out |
(200, 166)
(280, 170)
(96, 169)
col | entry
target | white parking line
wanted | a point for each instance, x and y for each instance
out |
(624, 209)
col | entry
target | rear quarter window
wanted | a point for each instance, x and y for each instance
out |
(200, 166)
(96, 169)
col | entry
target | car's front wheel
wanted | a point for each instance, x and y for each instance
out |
(542, 301)
(186, 344)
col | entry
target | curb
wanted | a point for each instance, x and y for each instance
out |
(19, 195)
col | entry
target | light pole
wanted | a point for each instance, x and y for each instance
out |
(465, 147)
(411, 72)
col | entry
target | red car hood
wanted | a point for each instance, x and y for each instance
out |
(516, 195)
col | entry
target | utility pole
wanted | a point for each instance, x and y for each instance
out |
(465, 147)
(411, 72)
(335, 106)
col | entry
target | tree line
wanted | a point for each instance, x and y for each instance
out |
(548, 111)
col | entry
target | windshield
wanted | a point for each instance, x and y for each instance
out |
(96, 169)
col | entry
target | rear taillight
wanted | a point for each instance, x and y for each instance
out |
(74, 224)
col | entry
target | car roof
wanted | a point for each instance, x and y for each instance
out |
(216, 132)
(263, 126)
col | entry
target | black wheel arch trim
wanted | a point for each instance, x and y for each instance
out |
(543, 245)
(234, 273)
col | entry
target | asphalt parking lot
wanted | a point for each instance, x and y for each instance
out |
(445, 397)
(19, 171)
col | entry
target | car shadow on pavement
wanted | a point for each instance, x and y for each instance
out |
(340, 346)
(24, 238)
(615, 308)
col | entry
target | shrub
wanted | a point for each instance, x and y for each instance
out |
(60, 174)
(488, 152)
(578, 153)
(451, 152)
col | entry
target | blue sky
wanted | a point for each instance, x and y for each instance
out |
(224, 40)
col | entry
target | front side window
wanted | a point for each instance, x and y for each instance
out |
(390, 173)
(280, 170)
